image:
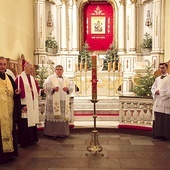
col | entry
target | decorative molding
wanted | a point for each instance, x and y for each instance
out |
(122, 2)
(98, 11)
(36, 1)
(133, 1)
(144, 1)
(74, 2)
(52, 2)
(64, 1)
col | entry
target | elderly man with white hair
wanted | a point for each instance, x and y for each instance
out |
(27, 129)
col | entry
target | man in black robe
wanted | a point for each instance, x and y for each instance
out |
(9, 96)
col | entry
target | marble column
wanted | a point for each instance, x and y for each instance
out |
(39, 22)
(75, 28)
(70, 22)
(63, 26)
(158, 25)
(58, 26)
(121, 29)
(39, 26)
(133, 27)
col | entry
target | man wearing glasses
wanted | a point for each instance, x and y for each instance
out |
(161, 95)
(58, 89)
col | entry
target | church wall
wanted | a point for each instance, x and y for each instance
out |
(17, 29)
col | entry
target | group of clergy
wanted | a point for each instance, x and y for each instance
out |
(19, 108)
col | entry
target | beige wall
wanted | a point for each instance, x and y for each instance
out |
(167, 30)
(17, 29)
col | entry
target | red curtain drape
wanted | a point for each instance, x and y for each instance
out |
(98, 25)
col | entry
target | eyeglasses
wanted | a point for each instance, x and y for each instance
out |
(162, 67)
(59, 69)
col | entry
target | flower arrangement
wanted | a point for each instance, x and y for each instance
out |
(147, 41)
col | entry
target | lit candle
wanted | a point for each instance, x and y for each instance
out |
(119, 66)
(85, 67)
(94, 77)
(75, 67)
(80, 67)
(109, 67)
(18, 82)
(114, 66)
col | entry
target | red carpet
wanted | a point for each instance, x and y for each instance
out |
(135, 127)
(98, 114)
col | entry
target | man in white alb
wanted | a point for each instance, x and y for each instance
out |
(58, 89)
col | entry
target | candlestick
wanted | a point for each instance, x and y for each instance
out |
(80, 67)
(109, 67)
(94, 77)
(75, 67)
(94, 144)
(114, 66)
(119, 66)
(85, 67)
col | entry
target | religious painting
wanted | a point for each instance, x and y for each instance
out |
(98, 25)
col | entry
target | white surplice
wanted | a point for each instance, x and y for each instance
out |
(162, 101)
(55, 113)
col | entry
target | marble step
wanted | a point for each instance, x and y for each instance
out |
(107, 103)
(107, 108)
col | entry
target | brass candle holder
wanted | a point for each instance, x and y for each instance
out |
(94, 144)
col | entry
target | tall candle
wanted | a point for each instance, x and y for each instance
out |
(85, 67)
(119, 66)
(94, 77)
(75, 67)
(114, 66)
(109, 67)
(80, 67)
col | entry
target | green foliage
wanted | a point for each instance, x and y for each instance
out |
(145, 83)
(147, 41)
(51, 42)
(42, 74)
(84, 56)
(111, 56)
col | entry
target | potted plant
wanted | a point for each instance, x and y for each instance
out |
(144, 83)
(51, 44)
(146, 43)
(111, 56)
(84, 56)
(41, 75)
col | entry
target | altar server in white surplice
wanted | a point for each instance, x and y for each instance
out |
(58, 89)
(161, 95)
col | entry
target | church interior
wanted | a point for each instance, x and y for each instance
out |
(128, 39)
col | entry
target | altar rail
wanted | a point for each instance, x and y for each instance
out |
(135, 110)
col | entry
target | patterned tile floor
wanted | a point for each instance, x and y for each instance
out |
(122, 150)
